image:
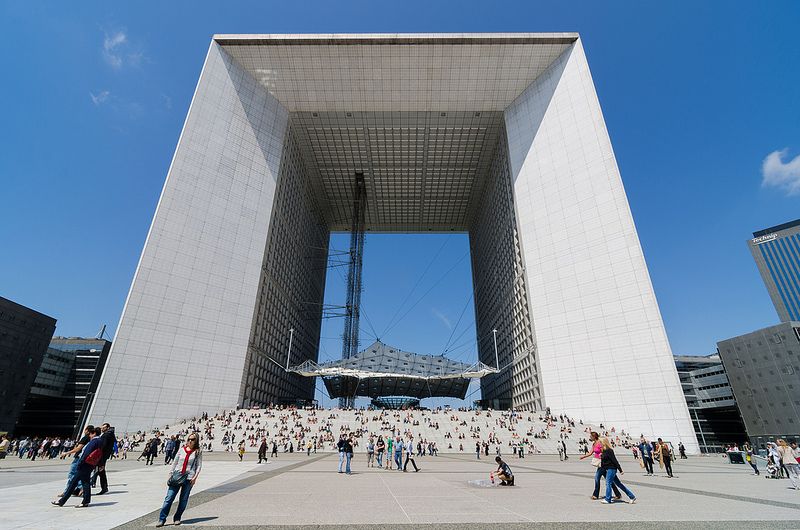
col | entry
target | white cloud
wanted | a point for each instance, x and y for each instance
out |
(111, 48)
(443, 318)
(782, 175)
(167, 101)
(99, 99)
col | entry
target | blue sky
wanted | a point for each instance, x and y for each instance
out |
(696, 96)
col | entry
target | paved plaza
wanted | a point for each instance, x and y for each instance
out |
(301, 491)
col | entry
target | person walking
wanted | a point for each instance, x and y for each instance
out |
(152, 452)
(75, 452)
(274, 453)
(610, 466)
(398, 453)
(682, 451)
(371, 452)
(262, 451)
(646, 451)
(91, 455)
(169, 449)
(789, 460)
(596, 454)
(241, 450)
(107, 440)
(348, 452)
(664, 457)
(750, 457)
(410, 454)
(478, 450)
(182, 476)
(340, 446)
(389, 454)
(380, 447)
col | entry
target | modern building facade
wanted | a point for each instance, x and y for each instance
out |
(64, 387)
(711, 403)
(497, 135)
(777, 254)
(764, 371)
(24, 335)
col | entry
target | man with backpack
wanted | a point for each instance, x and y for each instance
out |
(90, 457)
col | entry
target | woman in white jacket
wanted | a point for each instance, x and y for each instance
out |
(182, 476)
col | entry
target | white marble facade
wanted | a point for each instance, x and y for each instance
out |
(599, 344)
(182, 340)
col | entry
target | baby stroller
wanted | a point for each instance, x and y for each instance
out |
(773, 471)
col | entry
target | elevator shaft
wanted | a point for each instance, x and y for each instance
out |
(354, 285)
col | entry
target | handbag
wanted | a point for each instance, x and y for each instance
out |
(177, 479)
(595, 461)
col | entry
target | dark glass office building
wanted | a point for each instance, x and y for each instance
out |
(712, 406)
(64, 387)
(24, 335)
(777, 254)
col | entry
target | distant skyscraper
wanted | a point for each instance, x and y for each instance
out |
(777, 254)
(24, 334)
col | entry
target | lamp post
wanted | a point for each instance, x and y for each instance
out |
(289, 353)
(496, 361)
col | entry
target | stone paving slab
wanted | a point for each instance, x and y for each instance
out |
(300, 492)
(135, 490)
(547, 490)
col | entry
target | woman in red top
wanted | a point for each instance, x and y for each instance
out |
(182, 476)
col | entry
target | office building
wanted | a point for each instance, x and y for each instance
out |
(500, 136)
(709, 396)
(763, 368)
(64, 387)
(777, 254)
(24, 335)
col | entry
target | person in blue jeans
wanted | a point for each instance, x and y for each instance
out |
(610, 466)
(83, 472)
(76, 454)
(398, 453)
(185, 470)
(348, 452)
(340, 446)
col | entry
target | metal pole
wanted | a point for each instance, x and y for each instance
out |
(496, 361)
(700, 428)
(289, 353)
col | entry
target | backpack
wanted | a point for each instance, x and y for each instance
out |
(94, 457)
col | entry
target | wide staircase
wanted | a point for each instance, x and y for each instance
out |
(452, 431)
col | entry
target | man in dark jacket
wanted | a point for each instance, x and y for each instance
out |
(262, 451)
(107, 441)
(83, 472)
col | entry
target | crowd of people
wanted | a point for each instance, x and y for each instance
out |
(390, 439)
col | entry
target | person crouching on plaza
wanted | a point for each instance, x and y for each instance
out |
(610, 466)
(504, 472)
(182, 476)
